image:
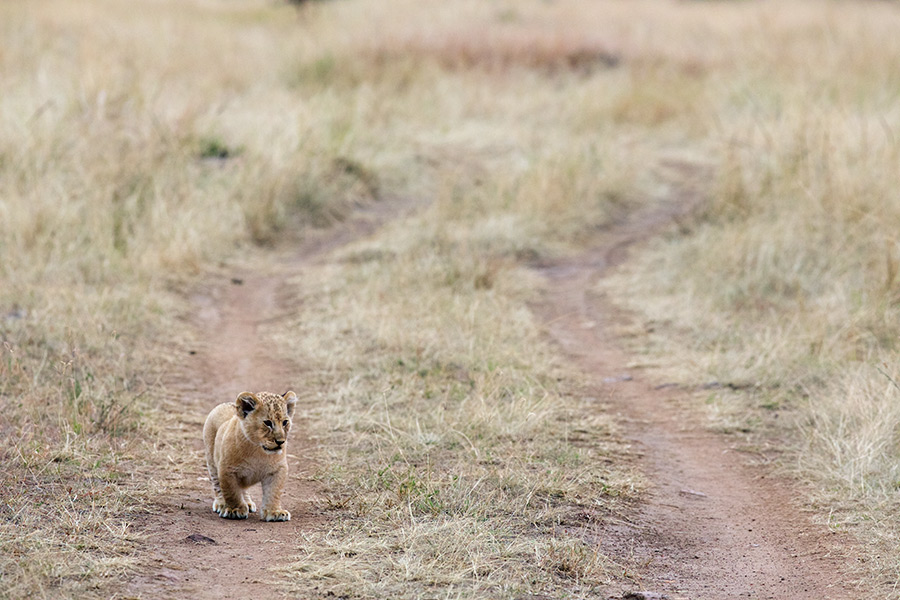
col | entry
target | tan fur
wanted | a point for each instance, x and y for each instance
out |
(242, 450)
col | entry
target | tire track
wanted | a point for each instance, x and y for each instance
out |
(712, 527)
(191, 551)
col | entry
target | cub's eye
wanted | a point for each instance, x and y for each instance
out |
(267, 423)
(284, 423)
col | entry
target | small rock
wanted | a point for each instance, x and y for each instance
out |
(644, 596)
(666, 386)
(200, 539)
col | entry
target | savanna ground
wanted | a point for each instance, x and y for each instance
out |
(148, 147)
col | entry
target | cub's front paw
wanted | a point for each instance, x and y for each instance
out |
(234, 512)
(250, 503)
(275, 515)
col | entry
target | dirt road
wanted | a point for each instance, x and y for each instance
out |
(711, 527)
(195, 553)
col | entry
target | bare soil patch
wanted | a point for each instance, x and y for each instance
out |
(712, 525)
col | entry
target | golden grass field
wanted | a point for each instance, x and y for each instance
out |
(144, 143)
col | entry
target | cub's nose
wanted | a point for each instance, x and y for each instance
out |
(279, 442)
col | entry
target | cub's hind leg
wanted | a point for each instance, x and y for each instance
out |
(218, 498)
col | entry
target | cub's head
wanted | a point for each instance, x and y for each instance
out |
(266, 418)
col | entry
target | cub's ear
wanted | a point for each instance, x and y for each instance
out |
(291, 399)
(246, 403)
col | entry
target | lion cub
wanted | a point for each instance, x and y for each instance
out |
(245, 445)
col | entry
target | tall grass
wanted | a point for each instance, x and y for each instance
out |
(787, 280)
(108, 198)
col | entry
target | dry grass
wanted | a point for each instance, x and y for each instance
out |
(786, 283)
(462, 460)
(457, 461)
(460, 464)
(106, 200)
(126, 168)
